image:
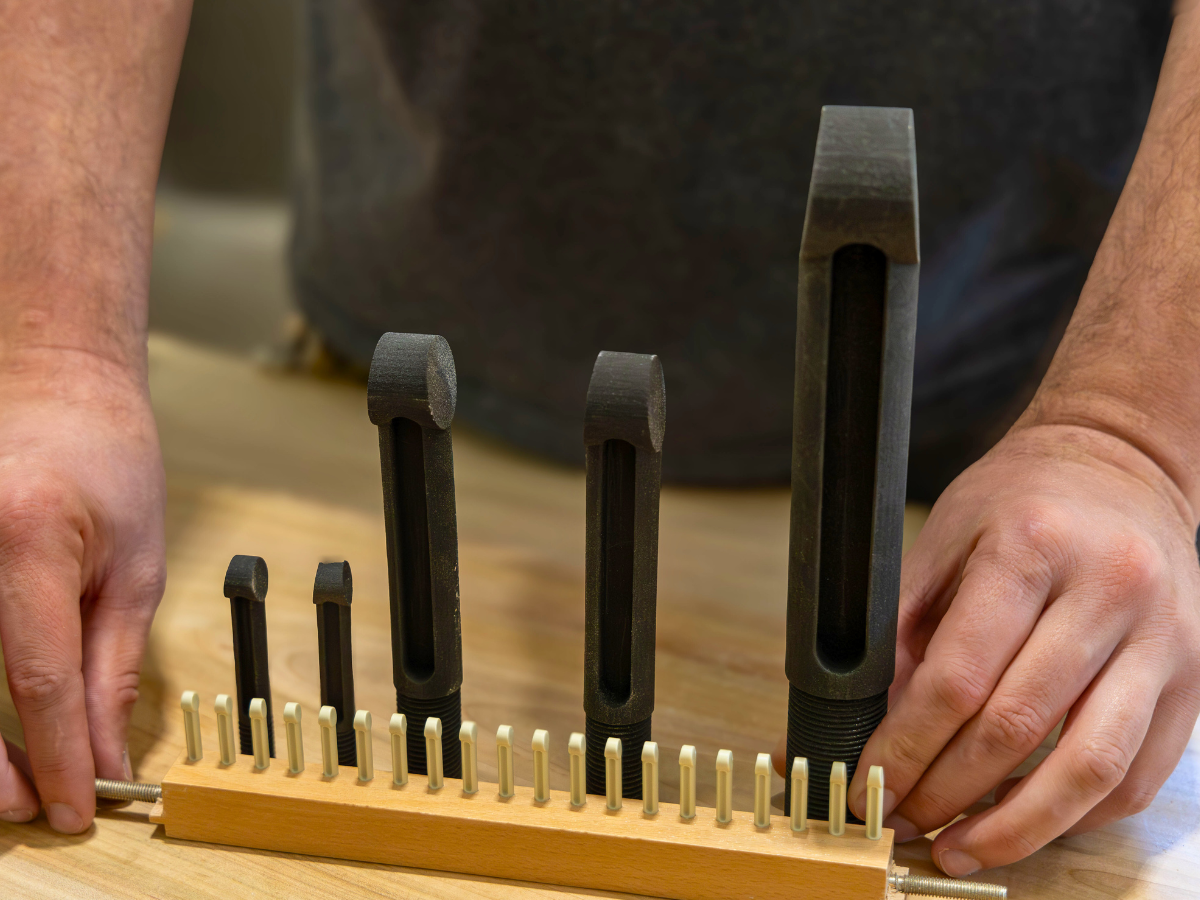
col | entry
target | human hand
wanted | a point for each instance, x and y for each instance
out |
(81, 571)
(1056, 576)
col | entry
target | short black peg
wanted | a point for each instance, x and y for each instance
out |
(333, 590)
(246, 588)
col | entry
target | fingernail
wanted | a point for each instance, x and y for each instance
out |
(18, 815)
(125, 764)
(63, 818)
(905, 830)
(957, 864)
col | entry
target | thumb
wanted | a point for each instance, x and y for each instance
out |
(115, 630)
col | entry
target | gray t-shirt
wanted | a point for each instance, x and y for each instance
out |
(538, 181)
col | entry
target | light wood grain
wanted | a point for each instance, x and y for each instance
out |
(519, 837)
(287, 468)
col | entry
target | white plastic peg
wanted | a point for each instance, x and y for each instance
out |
(687, 782)
(190, 704)
(398, 730)
(875, 803)
(650, 778)
(504, 760)
(762, 790)
(799, 810)
(468, 734)
(327, 719)
(577, 750)
(837, 798)
(724, 786)
(362, 741)
(258, 733)
(541, 765)
(612, 773)
(433, 752)
(225, 739)
(295, 738)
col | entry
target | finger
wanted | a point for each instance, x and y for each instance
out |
(929, 578)
(992, 614)
(115, 630)
(40, 629)
(18, 799)
(1085, 767)
(1065, 652)
(1167, 738)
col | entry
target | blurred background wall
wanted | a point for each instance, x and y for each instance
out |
(221, 223)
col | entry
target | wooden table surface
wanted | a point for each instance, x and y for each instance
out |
(286, 467)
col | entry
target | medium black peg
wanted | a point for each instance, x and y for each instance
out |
(333, 589)
(411, 394)
(856, 324)
(624, 423)
(246, 588)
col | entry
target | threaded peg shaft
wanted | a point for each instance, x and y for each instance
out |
(950, 888)
(108, 789)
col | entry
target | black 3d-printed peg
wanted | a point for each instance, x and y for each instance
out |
(411, 393)
(623, 432)
(333, 589)
(246, 588)
(859, 262)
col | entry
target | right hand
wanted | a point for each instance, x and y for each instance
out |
(82, 569)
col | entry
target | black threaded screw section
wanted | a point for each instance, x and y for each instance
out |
(828, 731)
(449, 710)
(347, 742)
(247, 742)
(632, 738)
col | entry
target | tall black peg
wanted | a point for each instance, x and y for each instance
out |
(411, 393)
(246, 588)
(623, 431)
(333, 589)
(859, 261)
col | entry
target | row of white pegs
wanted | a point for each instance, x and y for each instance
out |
(468, 739)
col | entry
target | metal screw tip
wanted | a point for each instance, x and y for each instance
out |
(952, 888)
(108, 789)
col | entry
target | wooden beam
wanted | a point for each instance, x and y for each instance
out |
(519, 838)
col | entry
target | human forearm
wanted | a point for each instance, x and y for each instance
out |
(1129, 364)
(83, 114)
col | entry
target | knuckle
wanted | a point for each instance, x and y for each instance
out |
(1135, 568)
(1099, 765)
(1136, 797)
(40, 686)
(33, 508)
(959, 688)
(1009, 724)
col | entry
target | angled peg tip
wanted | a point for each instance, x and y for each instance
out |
(468, 737)
(295, 738)
(687, 782)
(226, 730)
(874, 820)
(577, 751)
(362, 731)
(412, 377)
(762, 790)
(837, 798)
(724, 808)
(504, 761)
(327, 722)
(190, 704)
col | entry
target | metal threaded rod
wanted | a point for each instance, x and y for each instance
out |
(922, 886)
(107, 789)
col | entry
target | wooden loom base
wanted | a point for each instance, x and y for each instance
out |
(518, 838)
